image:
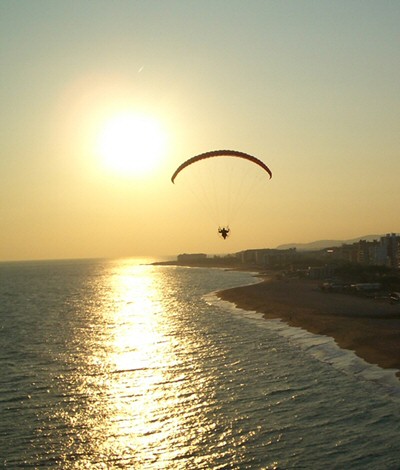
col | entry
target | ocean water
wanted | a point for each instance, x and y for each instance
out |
(114, 364)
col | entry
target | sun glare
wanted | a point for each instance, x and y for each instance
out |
(131, 143)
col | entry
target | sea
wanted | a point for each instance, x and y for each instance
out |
(123, 364)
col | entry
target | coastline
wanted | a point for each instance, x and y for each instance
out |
(369, 327)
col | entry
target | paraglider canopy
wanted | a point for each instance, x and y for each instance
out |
(221, 153)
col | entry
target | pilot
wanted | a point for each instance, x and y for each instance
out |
(224, 232)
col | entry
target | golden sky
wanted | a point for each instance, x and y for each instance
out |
(101, 101)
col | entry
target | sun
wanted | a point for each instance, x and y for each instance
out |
(131, 143)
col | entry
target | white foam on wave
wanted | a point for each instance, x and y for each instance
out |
(323, 348)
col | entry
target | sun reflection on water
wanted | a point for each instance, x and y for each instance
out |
(142, 391)
(136, 322)
(140, 355)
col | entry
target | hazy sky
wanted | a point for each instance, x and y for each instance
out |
(310, 87)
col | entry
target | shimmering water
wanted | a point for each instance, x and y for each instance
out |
(111, 364)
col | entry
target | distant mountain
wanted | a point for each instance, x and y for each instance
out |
(321, 244)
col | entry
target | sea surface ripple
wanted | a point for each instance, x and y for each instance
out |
(116, 364)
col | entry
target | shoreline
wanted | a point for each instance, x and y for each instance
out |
(369, 327)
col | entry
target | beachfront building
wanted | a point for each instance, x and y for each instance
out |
(382, 252)
(320, 272)
(268, 257)
(191, 257)
(390, 247)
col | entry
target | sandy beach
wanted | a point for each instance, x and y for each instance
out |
(369, 327)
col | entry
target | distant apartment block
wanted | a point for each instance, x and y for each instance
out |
(191, 257)
(267, 257)
(382, 252)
